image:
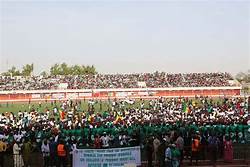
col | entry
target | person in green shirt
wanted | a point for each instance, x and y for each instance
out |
(130, 130)
(247, 133)
(105, 114)
(10, 138)
(240, 134)
(39, 137)
(175, 156)
(77, 132)
(233, 133)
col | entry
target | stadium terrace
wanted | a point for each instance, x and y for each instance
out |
(99, 81)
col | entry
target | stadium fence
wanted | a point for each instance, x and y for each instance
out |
(104, 94)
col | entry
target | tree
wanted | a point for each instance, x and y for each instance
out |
(76, 70)
(93, 70)
(14, 72)
(28, 69)
(90, 70)
(44, 74)
(83, 70)
(55, 69)
(64, 69)
(5, 74)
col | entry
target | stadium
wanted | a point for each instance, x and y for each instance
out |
(142, 113)
(126, 83)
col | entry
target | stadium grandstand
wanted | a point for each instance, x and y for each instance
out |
(99, 81)
(144, 85)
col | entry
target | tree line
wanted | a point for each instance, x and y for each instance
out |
(56, 69)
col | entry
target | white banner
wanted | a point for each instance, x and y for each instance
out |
(114, 157)
(143, 93)
(85, 94)
(72, 95)
(58, 95)
(121, 94)
(36, 96)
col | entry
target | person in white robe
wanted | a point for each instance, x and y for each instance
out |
(18, 159)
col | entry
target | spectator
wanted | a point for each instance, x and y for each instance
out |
(180, 146)
(203, 146)
(72, 150)
(46, 153)
(156, 143)
(161, 153)
(62, 154)
(98, 142)
(175, 156)
(228, 149)
(27, 150)
(195, 148)
(105, 140)
(149, 151)
(168, 156)
(53, 151)
(18, 160)
(3, 148)
(213, 144)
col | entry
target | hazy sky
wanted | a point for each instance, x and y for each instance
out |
(127, 36)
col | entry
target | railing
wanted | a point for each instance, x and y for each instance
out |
(117, 90)
(104, 94)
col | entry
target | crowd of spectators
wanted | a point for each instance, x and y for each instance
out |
(206, 79)
(163, 127)
(99, 81)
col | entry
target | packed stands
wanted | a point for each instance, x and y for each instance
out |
(103, 81)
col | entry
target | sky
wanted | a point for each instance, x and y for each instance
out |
(127, 36)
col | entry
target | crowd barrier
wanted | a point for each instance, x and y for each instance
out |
(49, 95)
